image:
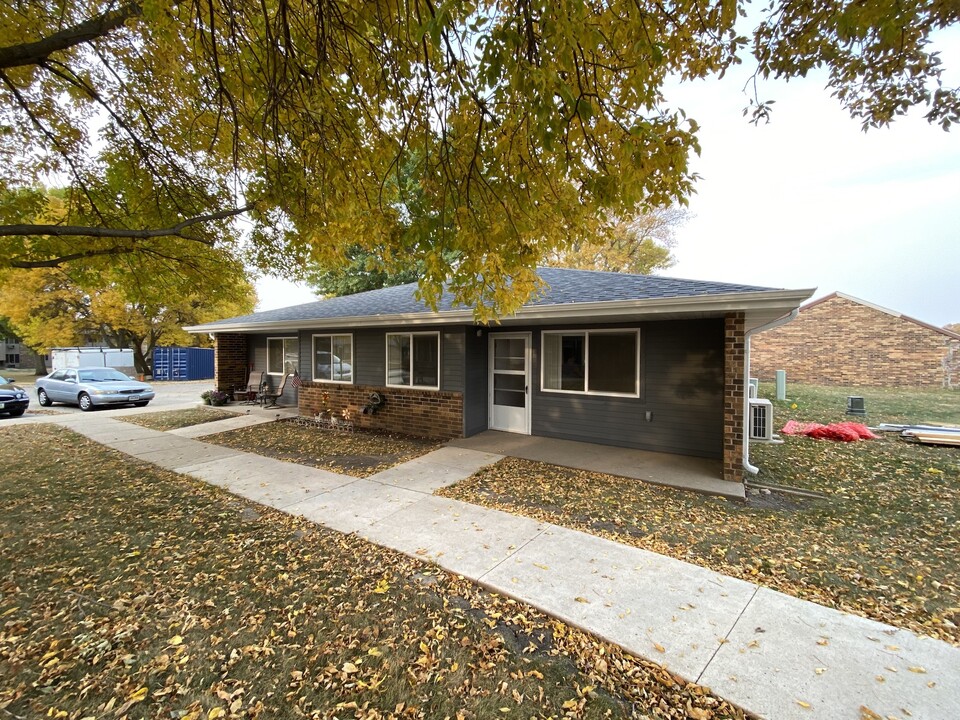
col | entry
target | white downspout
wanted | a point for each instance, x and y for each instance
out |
(753, 469)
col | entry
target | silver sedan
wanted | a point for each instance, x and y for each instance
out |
(92, 387)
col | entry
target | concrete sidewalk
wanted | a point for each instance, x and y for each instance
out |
(772, 654)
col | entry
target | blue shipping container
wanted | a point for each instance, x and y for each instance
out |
(180, 363)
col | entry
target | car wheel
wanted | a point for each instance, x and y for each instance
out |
(141, 404)
(18, 412)
(43, 398)
(86, 404)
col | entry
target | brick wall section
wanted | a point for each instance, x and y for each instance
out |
(425, 413)
(230, 361)
(841, 342)
(734, 347)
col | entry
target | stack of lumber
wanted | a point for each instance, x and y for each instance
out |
(927, 434)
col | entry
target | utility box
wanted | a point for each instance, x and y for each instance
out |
(856, 405)
(84, 357)
(182, 363)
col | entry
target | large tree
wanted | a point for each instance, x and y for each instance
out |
(139, 307)
(641, 244)
(520, 121)
(137, 298)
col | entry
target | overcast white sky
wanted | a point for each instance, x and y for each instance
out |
(810, 200)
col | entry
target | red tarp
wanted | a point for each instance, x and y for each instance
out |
(843, 431)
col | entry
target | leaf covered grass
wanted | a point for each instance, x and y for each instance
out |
(130, 591)
(884, 545)
(359, 453)
(174, 419)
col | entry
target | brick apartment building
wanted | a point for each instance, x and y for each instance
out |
(842, 340)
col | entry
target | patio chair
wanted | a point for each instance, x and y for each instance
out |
(272, 395)
(251, 390)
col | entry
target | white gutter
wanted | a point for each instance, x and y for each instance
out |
(594, 311)
(753, 469)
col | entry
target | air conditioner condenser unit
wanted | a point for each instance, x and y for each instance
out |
(761, 419)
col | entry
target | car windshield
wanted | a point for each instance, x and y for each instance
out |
(102, 375)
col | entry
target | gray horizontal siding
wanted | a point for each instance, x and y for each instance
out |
(475, 383)
(681, 384)
(369, 356)
(257, 348)
(452, 359)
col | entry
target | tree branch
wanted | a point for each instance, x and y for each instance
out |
(32, 53)
(100, 232)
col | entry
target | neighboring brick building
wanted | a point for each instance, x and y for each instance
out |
(14, 354)
(841, 340)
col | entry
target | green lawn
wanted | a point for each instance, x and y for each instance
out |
(130, 591)
(815, 403)
(884, 544)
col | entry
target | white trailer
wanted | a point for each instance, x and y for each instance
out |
(82, 357)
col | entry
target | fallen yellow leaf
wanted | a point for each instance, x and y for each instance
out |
(139, 695)
(803, 704)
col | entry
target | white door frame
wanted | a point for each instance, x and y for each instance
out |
(527, 337)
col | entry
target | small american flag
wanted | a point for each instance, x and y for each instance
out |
(297, 382)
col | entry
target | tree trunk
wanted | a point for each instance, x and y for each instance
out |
(40, 367)
(143, 368)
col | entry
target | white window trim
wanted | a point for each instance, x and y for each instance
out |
(411, 335)
(586, 361)
(282, 339)
(313, 359)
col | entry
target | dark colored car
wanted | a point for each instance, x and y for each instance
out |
(13, 398)
(92, 387)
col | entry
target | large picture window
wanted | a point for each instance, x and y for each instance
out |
(413, 359)
(283, 355)
(603, 362)
(333, 358)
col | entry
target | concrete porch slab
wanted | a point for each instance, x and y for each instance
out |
(462, 538)
(785, 652)
(679, 471)
(654, 606)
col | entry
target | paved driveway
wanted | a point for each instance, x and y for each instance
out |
(169, 396)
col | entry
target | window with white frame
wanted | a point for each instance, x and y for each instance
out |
(413, 359)
(333, 358)
(601, 362)
(283, 355)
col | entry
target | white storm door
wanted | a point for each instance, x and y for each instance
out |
(509, 382)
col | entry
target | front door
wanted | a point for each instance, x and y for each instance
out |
(509, 382)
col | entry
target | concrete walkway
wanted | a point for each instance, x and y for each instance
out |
(770, 653)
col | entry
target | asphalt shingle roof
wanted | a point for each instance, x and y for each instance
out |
(563, 286)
